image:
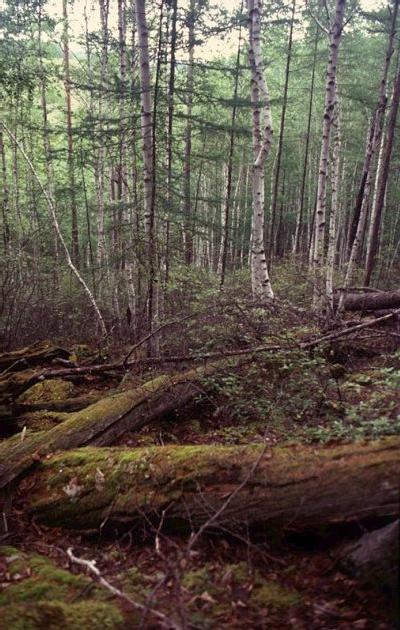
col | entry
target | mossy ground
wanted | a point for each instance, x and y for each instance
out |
(38, 594)
(47, 391)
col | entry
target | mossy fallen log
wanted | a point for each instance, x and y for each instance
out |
(104, 421)
(293, 488)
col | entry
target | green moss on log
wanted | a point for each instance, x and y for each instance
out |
(47, 391)
(301, 486)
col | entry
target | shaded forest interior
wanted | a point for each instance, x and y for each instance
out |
(199, 314)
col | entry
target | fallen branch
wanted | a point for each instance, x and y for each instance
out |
(90, 566)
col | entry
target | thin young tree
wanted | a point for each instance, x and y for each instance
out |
(334, 37)
(262, 140)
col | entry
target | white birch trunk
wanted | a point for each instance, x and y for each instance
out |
(262, 139)
(335, 34)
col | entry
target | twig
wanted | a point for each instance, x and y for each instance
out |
(153, 334)
(90, 565)
(194, 538)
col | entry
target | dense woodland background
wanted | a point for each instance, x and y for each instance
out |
(71, 152)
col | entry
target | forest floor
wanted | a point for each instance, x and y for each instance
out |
(230, 578)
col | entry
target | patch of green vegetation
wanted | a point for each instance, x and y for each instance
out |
(47, 391)
(370, 406)
(42, 595)
(54, 615)
(37, 578)
(201, 580)
(272, 595)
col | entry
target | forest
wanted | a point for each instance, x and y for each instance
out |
(199, 314)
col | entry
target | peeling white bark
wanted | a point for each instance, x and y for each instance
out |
(262, 140)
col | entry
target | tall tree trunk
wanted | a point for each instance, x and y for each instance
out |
(273, 245)
(70, 143)
(382, 182)
(187, 201)
(228, 193)
(171, 93)
(99, 167)
(262, 139)
(333, 219)
(335, 35)
(5, 209)
(299, 226)
(147, 151)
(375, 130)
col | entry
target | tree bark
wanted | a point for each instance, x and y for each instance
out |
(292, 489)
(147, 128)
(382, 183)
(299, 225)
(262, 139)
(70, 145)
(273, 238)
(374, 132)
(378, 301)
(335, 35)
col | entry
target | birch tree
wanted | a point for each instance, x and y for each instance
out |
(262, 140)
(334, 36)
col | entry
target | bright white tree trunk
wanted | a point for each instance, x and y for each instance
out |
(262, 139)
(335, 34)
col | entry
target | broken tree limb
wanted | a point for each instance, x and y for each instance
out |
(28, 357)
(292, 488)
(105, 421)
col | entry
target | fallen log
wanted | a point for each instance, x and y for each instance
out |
(377, 301)
(103, 422)
(31, 356)
(292, 488)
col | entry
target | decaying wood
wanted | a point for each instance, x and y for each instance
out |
(105, 421)
(375, 556)
(372, 301)
(292, 488)
(28, 357)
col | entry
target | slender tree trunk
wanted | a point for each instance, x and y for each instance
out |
(333, 220)
(5, 207)
(170, 124)
(187, 201)
(299, 226)
(272, 249)
(262, 139)
(382, 182)
(70, 144)
(335, 34)
(228, 194)
(147, 151)
(375, 130)
(99, 167)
